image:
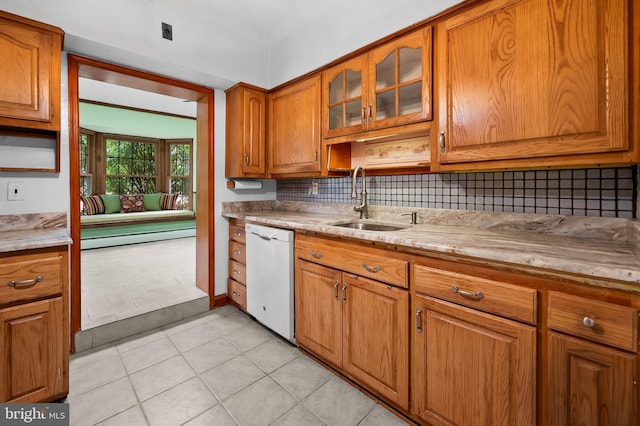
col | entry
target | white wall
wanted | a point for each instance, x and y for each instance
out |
(328, 39)
(128, 32)
(44, 192)
(222, 194)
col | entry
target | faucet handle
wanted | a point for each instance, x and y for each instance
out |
(414, 217)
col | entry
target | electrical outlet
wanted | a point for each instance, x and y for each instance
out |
(314, 188)
(15, 191)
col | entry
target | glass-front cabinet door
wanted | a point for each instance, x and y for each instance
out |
(388, 86)
(400, 81)
(344, 101)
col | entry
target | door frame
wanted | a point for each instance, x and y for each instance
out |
(79, 66)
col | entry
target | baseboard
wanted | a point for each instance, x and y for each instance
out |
(220, 300)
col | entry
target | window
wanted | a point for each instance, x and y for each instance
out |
(120, 164)
(180, 172)
(131, 166)
(86, 187)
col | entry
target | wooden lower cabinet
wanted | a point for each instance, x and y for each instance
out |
(32, 347)
(470, 368)
(356, 324)
(590, 384)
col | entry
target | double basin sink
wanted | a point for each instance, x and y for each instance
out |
(367, 225)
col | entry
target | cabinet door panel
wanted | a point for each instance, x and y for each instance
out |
(319, 311)
(25, 88)
(590, 384)
(344, 98)
(31, 346)
(471, 368)
(254, 138)
(294, 128)
(399, 89)
(376, 340)
(509, 95)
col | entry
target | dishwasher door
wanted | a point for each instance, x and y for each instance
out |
(270, 278)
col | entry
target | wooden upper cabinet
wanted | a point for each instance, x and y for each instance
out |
(294, 128)
(246, 149)
(30, 73)
(533, 79)
(389, 86)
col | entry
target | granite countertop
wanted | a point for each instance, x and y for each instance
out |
(33, 231)
(597, 251)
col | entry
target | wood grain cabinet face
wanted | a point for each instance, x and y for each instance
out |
(389, 86)
(237, 270)
(470, 368)
(30, 75)
(246, 127)
(294, 130)
(532, 79)
(358, 325)
(590, 384)
(32, 347)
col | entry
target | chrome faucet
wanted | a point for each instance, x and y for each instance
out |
(362, 208)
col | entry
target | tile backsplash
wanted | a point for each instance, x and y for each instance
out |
(582, 192)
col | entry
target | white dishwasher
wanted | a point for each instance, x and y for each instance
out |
(270, 278)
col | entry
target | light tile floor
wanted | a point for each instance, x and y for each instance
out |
(217, 368)
(125, 281)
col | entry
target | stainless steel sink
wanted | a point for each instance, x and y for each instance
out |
(370, 226)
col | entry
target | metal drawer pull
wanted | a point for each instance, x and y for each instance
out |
(237, 252)
(344, 293)
(235, 271)
(235, 293)
(418, 326)
(316, 255)
(371, 268)
(589, 322)
(25, 283)
(237, 233)
(464, 293)
(335, 289)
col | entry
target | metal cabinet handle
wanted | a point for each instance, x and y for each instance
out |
(316, 255)
(237, 252)
(246, 159)
(335, 290)
(364, 114)
(589, 322)
(344, 293)
(237, 233)
(315, 156)
(464, 293)
(373, 269)
(235, 271)
(370, 109)
(235, 293)
(25, 283)
(441, 141)
(418, 321)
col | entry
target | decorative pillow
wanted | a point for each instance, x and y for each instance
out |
(131, 203)
(111, 203)
(152, 201)
(92, 204)
(168, 201)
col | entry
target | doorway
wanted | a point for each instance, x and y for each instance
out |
(96, 70)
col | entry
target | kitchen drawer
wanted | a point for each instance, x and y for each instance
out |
(42, 276)
(237, 293)
(236, 233)
(602, 322)
(238, 272)
(237, 252)
(507, 300)
(360, 260)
